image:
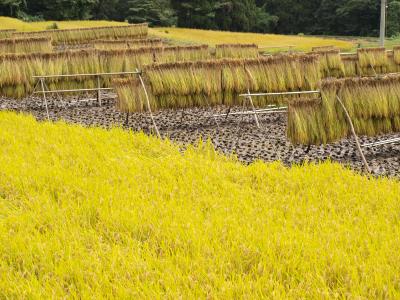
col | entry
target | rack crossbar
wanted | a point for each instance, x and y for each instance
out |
(282, 109)
(382, 143)
(73, 91)
(279, 94)
(87, 75)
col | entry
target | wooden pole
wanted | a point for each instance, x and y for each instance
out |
(98, 90)
(149, 107)
(44, 98)
(367, 168)
(383, 24)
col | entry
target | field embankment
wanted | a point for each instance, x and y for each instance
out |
(96, 213)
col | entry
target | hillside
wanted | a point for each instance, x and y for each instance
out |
(90, 213)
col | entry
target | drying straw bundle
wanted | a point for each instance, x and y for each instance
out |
(351, 65)
(6, 33)
(16, 81)
(84, 35)
(331, 63)
(32, 34)
(32, 45)
(215, 82)
(85, 61)
(185, 84)
(304, 122)
(323, 48)
(131, 95)
(396, 54)
(126, 44)
(282, 73)
(372, 103)
(7, 46)
(372, 60)
(124, 60)
(184, 53)
(236, 51)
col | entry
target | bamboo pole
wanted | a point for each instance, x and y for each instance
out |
(148, 106)
(367, 168)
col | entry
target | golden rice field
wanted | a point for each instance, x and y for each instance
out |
(91, 213)
(275, 41)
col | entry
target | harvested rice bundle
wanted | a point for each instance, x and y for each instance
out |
(323, 48)
(372, 60)
(124, 60)
(185, 78)
(131, 95)
(351, 65)
(236, 51)
(236, 79)
(331, 64)
(84, 35)
(393, 66)
(7, 46)
(185, 84)
(284, 73)
(304, 121)
(26, 45)
(184, 53)
(15, 78)
(32, 34)
(6, 33)
(19, 69)
(372, 103)
(32, 45)
(367, 98)
(76, 36)
(126, 44)
(396, 54)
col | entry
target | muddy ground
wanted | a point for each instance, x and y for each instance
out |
(233, 135)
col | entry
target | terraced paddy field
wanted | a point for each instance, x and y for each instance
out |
(88, 212)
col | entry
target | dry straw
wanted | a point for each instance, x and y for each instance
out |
(84, 35)
(372, 61)
(216, 82)
(128, 90)
(126, 44)
(26, 45)
(331, 63)
(236, 51)
(16, 81)
(373, 105)
(17, 70)
(351, 65)
(323, 48)
(6, 33)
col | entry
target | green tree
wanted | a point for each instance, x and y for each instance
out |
(12, 7)
(155, 12)
(393, 20)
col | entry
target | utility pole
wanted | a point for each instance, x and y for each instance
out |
(383, 23)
